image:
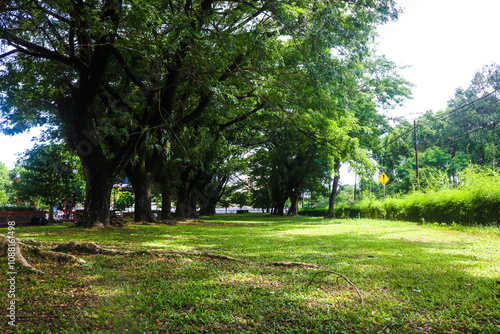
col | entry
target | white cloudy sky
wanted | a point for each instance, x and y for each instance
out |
(444, 42)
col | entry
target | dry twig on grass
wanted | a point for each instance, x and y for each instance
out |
(338, 276)
(293, 264)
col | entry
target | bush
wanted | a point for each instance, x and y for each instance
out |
(475, 202)
(321, 212)
(371, 209)
(17, 208)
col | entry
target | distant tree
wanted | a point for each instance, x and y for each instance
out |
(449, 140)
(288, 162)
(4, 182)
(491, 154)
(240, 198)
(379, 86)
(225, 199)
(125, 200)
(48, 175)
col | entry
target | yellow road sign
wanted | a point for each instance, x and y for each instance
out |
(383, 179)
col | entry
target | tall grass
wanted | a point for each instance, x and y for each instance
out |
(475, 201)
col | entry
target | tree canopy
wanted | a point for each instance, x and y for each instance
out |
(449, 140)
(109, 74)
(50, 173)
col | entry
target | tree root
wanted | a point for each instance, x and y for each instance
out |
(90, 248)
(338, 276)
(61, 257)
(59, 253)
(222, 257)
(293, 264)
(13, 247)
(274, 264)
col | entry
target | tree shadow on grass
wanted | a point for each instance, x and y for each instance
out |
(409, 285)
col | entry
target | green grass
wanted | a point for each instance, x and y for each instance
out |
(414, 279)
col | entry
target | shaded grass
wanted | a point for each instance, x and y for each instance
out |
(414, 278)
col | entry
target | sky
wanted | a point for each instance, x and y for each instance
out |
(442, 43)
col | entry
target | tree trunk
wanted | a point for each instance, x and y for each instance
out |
(209, 208)
(333, 195)
(278, 201)
(100, 171)
(294, 199)
(185, 207)
(166, 202)
(141, 183)
(100, 175)
(142, 191)
(278, 208)
(51, 211)
(141, 174)
(214, 189)
(98, 198)
(294, 206)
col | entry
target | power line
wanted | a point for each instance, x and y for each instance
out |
(484, 112)
(462, 121)
(393, 140)
(475, 130)
(467, 104)
(437, 117)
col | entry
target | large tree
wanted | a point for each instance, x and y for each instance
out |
(108, 72)
(380, 86)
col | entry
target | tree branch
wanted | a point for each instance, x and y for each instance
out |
(36, 50)
(145, 91)
(6, 54)
(242, 117)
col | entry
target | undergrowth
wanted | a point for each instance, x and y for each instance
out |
(475, 201)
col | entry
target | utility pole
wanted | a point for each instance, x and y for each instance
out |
(416, 152)
(355, 177)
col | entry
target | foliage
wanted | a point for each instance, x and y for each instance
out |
(465, 132)
(414, 278)
(4, 180)
(3, 197)
(285, 165)
(240, 198)
(48, 174)
(17, 208)
(125, 200)
(365, 208)
(475, 202)
(109, 75)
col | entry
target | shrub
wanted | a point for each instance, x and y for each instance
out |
(17, 208)
(314, 212)
(475, 202)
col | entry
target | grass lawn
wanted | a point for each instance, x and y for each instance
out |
(414, 279)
